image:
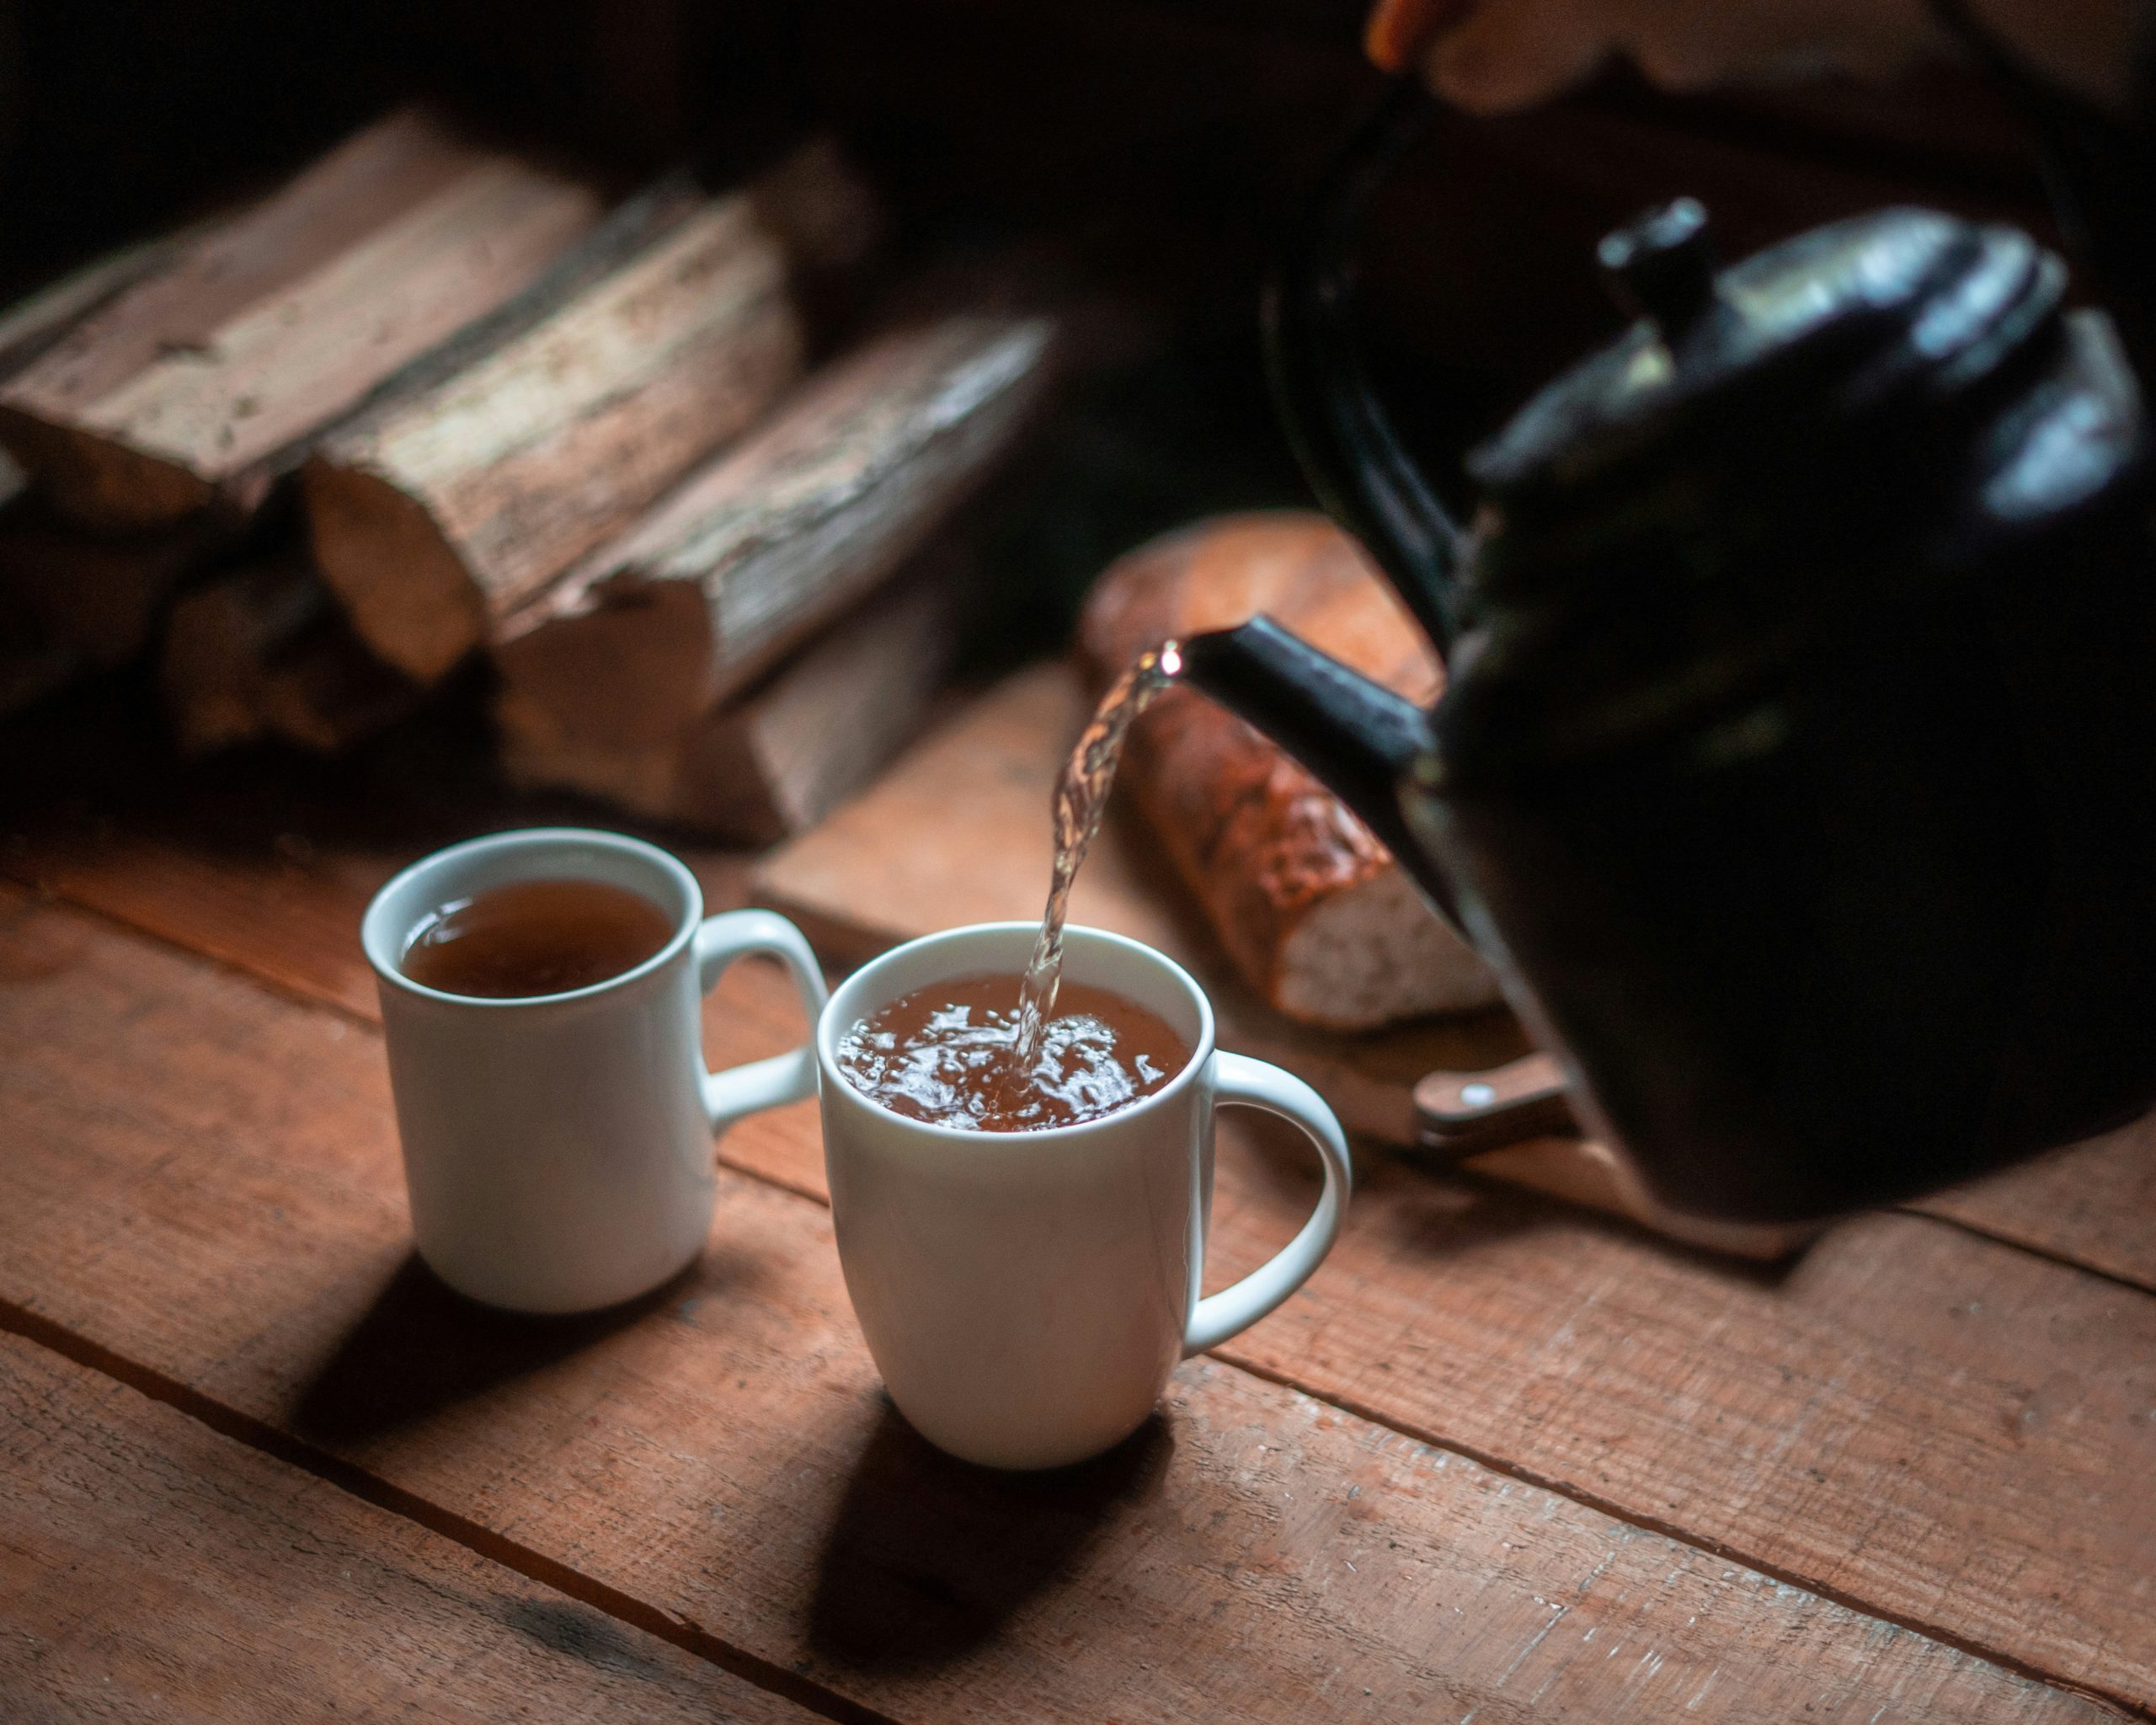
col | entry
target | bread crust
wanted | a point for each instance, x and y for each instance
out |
(1260, 843)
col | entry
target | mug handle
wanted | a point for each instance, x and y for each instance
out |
(1238, 1079)
(782, 1078)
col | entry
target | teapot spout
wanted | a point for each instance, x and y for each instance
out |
(1343, 439)
(1356, 737)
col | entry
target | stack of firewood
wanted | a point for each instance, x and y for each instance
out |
(430, 401)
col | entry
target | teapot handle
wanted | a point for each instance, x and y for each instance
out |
(2102, 176)
(1343, 438)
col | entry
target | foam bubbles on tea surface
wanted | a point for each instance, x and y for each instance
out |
(946, 1054)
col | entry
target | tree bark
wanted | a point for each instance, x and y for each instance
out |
(653, 631)
(677, 324)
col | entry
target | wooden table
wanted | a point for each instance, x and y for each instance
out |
(1500, 1460)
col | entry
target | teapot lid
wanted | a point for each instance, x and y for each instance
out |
(1848, 326)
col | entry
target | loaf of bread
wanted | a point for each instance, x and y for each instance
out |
(1313, 910)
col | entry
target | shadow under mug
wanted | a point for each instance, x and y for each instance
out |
(557, 1148)
(1025, 1295)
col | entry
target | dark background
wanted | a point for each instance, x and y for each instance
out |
(1157, 141)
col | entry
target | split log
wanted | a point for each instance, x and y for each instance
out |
(447, 505)
(650, 633)
(260, 651)
(783, 756)
(204, 379)
(32, 325)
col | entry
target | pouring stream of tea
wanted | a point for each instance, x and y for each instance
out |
(1082, 796)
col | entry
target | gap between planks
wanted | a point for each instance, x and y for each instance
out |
(1671, 1531)
(481, 1540)
(693, 1638)
(2045, 1254)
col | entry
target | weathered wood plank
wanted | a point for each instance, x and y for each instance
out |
(1956, 1437)
(1500, 1272)
(203, 1181)
(194, 385)
(150, 1569)
(2094, 1204)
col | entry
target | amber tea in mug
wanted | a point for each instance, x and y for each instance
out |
(532, 937)
(948, 1054)
(543, 1005)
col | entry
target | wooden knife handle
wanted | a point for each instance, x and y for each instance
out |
(1468, 1113)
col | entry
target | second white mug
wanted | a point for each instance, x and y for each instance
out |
(557, 1148)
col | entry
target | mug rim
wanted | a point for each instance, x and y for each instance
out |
(1201, 1053)
(374, 939)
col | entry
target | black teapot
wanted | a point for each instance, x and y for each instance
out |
(1797, 770)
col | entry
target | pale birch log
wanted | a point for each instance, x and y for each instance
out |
(653, 631)
(786, 753)
(444, 507)
(202, 381)
(32, 325)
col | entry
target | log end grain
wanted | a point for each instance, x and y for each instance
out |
(207, 377)
(667, 334)
(384, 556)
(775, 761)
(99, 480)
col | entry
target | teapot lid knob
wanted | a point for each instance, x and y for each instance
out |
(1661, 267)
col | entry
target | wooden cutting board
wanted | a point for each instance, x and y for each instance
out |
(958, 831)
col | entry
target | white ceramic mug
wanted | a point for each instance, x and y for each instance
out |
(557, 1148)
(1026, 1295)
